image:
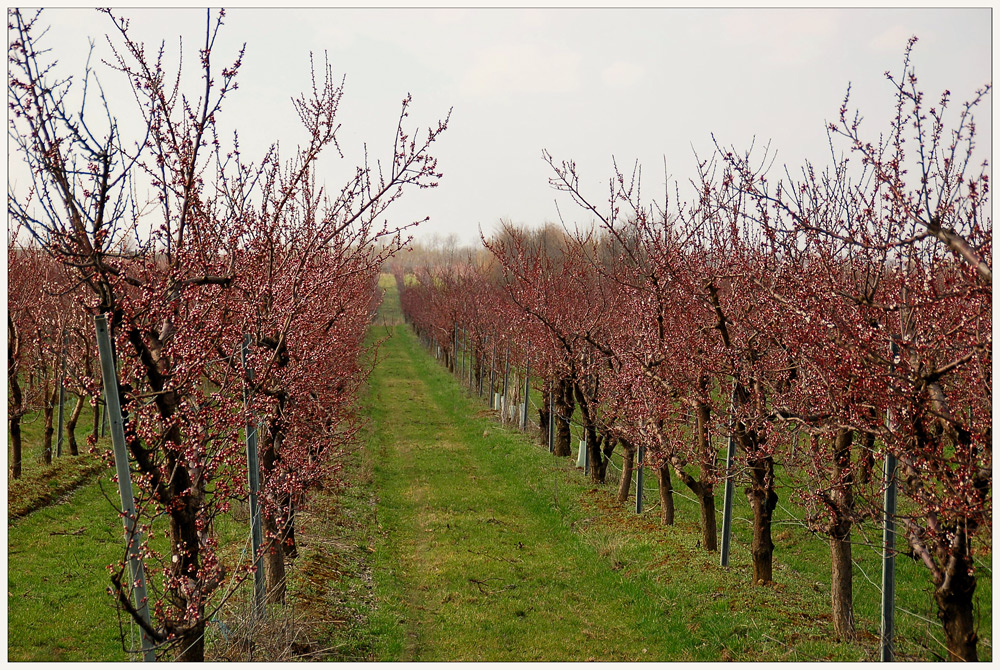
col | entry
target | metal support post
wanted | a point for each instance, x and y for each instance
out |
(504, 403)
(552, 421)
(527, 388)
(638, 478)
(253, 476)
(727, 505)
(889, 559)
(133, 534)
(62, 394)
(493, 362)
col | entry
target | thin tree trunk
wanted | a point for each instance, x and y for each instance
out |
(842, 575)
(666, 495)
(625, 485)
(564, 411)
(96, 431)
(49, 428)
(15, 445)
(866, 459)
(709, 530)
(274, 563)
(71, 426)
(763, 501)
(598, 464)
(274, 555)
(543, 421)
(706, 488)
(17, 398)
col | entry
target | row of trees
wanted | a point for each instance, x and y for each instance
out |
(851, 305)
(49, 345)
(238, 294)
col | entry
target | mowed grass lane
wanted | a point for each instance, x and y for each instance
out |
(478, 562)
(487, 548)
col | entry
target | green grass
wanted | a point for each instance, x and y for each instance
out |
(42, 484)
(57, 605)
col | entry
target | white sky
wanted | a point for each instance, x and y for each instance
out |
(586, 84)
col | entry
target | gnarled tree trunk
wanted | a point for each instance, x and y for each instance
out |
(628, 463)
(763, 501)
(49, 412)
(666, 494)
(544, 412)
(703, 489)
(16, 399)
(564, 406)
(71, 422)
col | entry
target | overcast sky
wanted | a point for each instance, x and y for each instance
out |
(650, 85)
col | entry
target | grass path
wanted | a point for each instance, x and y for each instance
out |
(480, 563)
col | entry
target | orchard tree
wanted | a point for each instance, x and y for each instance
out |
(904, 237)
(171, 290)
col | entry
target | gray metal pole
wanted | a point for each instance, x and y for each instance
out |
(482, 370)
(133, 534)
(889, 559)
(504, 402)
(527, 388)
(493, 365)
(62, 394)
(253, 471)
(552, 420)
(727, 505)
(638, 478)
(889, 540)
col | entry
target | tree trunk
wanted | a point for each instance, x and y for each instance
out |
(71, 426)
(274, 563)
(186, 545)
(191, 644)
(706, 487)
(666, 495)
(270, 462)
(288, 545)
(543, 421)
(866, 459)
(763, 501)
(841, 588)
(17, 399)
(842, 575)
(15, 446)
(598, 464)
(49, 429)
(565, 405)
(96, 431)
(709, 530)
(954, 600)
(625, 485)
